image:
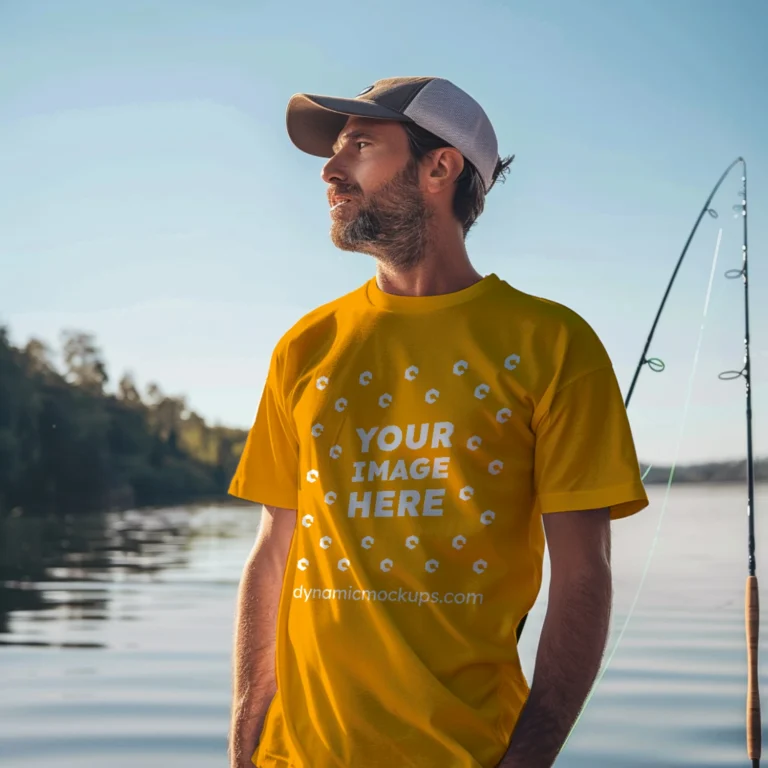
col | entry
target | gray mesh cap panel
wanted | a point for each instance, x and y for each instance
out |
(442, 108)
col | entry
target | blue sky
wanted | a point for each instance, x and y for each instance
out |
(149, 193)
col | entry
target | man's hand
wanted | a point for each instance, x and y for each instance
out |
(573, 637)
(246, 725)
(254, 680)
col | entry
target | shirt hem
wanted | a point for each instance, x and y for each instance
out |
(264, 498)
(267, 760)
(623, 500)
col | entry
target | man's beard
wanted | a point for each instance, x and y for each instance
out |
(389, 224)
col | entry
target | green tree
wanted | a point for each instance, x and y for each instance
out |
(39, 358)
(83, 363)
(127, 390)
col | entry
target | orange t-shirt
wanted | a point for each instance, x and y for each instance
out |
(421, 439)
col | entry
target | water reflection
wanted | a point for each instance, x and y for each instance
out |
(144, 604)
(69, 570)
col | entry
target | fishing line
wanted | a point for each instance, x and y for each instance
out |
(648, 560)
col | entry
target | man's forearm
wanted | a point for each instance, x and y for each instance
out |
(571, 647)
(254, 683)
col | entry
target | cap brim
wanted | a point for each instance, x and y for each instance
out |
(315, 122)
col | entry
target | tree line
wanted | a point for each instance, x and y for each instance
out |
(708, 472)
(67, 446)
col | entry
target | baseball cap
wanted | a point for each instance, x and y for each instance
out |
(433, 103)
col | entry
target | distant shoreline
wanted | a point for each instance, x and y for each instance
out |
(708, 472)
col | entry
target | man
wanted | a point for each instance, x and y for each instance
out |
(415, 442)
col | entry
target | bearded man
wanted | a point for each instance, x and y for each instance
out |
(418, 442)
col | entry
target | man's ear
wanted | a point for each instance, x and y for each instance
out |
(443, 167)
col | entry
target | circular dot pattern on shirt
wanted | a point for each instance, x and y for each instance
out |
(487, 517)
(481, 391)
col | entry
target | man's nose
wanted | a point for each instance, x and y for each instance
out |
(333, 172)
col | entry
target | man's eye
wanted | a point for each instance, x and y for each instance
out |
(359, 143)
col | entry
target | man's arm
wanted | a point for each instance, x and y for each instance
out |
(254, 683)
(573, 636)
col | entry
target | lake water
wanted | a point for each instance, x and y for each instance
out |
(116, 633)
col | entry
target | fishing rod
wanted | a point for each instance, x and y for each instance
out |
(751, 609)
(654, 363)
(751, 597)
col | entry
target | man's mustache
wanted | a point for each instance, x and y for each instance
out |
(344, 191)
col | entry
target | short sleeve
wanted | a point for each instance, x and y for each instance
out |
(585, 454)
(267, 472)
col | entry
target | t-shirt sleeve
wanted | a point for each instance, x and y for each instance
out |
(585, 454)
(268, 470)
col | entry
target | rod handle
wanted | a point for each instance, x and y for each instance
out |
(752, 616)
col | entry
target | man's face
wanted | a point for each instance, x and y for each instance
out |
(377, 206)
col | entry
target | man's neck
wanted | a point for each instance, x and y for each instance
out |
(444, 268)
